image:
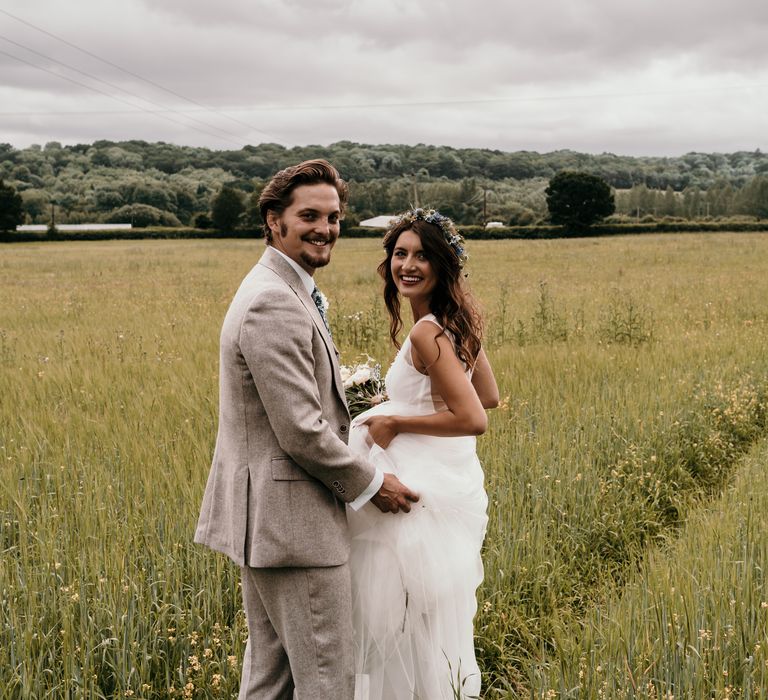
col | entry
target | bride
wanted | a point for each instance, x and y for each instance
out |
(414, 577)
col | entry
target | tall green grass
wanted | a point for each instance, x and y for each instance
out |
(633, 376)
(692, 622)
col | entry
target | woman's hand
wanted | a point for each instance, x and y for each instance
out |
(382, 429)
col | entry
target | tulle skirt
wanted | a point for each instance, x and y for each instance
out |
(415, 575)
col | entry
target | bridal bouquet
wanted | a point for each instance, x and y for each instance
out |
(363, 386)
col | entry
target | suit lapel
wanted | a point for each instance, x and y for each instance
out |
(275, 262)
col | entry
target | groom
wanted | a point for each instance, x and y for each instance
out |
(281, 469)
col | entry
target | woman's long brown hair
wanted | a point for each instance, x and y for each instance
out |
(451, 302)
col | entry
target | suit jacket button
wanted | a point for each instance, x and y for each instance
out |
(337, 485)
(343, 428)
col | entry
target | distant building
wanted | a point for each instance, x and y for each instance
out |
(382, 221)
(494, 224)
(76, 227)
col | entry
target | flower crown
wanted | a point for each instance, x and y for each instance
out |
(431, 216)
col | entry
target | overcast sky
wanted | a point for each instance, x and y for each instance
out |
(647, 77)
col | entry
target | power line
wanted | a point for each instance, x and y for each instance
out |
(501, 100)
(114, 97)
(162, 108)
(433, 103)
(140, 77)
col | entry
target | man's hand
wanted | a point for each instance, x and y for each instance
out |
(393, 496)
(382, 430)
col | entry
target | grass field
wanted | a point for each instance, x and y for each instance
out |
(634, 381)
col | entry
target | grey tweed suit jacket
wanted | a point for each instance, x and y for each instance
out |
(281, 468)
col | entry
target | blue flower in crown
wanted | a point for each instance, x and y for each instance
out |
(431, 216)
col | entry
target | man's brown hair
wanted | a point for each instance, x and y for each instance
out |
(278, 194)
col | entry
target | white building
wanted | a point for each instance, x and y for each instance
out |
(382, 221)
(76, 227)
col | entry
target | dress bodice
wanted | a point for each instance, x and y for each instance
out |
(409, 387)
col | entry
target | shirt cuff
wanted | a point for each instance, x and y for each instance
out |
(370, 491)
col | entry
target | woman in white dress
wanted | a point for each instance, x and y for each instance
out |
(415, 576)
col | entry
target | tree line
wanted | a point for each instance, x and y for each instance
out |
(163, 184)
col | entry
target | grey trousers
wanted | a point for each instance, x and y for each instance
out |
(299, 634)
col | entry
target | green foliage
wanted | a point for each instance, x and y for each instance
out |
(578, 200)
(519, 215)
(471, 185)
(755, 197)
(141, 216)
(226, 208)
(202, 221)
(11, 212)
(624, 320)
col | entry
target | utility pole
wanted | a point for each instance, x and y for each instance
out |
(415, 192)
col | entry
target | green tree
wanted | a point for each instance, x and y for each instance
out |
(755, 197)
(11, 211)
(577, 200)
(226, 208)
(670, 205)
(141, 216)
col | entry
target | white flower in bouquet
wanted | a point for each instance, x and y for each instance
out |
(363, 374)
(363, 386)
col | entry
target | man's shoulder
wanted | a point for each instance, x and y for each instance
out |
(262, 285)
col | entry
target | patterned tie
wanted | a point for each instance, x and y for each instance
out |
(317, 298)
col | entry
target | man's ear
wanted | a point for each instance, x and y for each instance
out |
(273, 221)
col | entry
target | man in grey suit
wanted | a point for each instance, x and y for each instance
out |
(282, 470)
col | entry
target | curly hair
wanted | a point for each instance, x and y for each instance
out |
(278, 194)
(451, 302)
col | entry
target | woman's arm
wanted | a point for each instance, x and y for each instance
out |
(484, 382)
(433, 351)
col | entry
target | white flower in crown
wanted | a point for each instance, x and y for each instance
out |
(323, 301)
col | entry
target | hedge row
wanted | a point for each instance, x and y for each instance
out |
(469, 232)
(133, 234)
(534, 232)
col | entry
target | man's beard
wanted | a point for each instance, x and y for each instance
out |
(314, 262)
(306, 257)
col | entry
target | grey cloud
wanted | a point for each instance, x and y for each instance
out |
(248, 55)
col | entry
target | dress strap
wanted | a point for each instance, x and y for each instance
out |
(431, 318)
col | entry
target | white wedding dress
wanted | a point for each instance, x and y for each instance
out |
(414, 575)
